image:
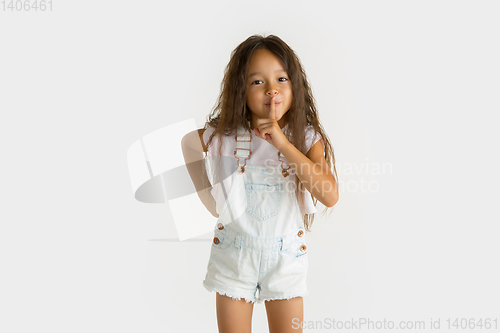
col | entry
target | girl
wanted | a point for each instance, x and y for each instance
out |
(272, 159)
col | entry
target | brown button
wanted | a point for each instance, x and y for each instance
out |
(220, 226)
(216, 240)
(301, 233)
(303, 248)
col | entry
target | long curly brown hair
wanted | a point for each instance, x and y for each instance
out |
(231, 110)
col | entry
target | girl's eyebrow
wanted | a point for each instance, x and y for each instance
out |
(257, 73)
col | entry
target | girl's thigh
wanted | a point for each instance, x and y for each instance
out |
(285, 315)
(233, 316)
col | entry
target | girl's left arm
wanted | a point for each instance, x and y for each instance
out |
(313, 171)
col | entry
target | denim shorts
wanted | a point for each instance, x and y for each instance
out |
(257, 269)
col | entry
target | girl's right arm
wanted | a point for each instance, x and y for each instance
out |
(193, 148)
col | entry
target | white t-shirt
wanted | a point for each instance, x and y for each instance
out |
(263, 154)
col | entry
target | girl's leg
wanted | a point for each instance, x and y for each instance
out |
(233, 316)
(285, 316)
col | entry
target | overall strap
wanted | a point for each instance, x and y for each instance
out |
(243, 138)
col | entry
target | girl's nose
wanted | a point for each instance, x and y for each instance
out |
(272, 92)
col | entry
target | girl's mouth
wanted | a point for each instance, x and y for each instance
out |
(275, 104)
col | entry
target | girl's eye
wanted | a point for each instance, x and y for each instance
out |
(281, 79)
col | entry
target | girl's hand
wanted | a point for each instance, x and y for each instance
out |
(269, 129)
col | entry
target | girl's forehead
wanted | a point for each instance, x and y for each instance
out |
(263, 58)
(262, 54)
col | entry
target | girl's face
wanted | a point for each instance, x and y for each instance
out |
(266, 78)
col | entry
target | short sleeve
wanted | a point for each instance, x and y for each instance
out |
(206, 136)
(312, 137)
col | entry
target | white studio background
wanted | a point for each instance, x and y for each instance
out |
(409, 84)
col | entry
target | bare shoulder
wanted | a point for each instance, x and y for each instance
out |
(194, 140)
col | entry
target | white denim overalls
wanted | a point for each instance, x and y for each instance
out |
(259, 251)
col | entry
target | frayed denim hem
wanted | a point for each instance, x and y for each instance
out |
(223, 293)
(262, 300)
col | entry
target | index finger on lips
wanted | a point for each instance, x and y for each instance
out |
(272, 110)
